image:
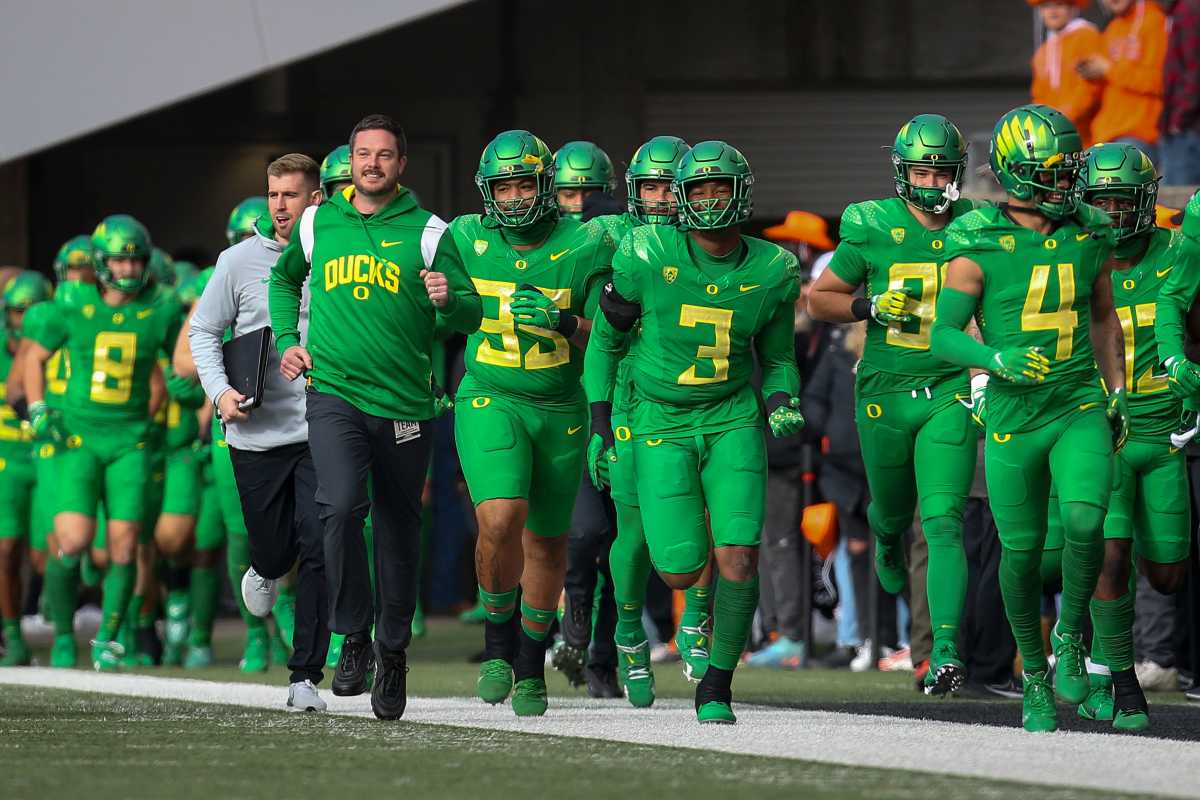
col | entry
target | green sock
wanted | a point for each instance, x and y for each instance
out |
(946, 584)
(536, 616)
(1097, 654)
(1083, 555)
(1112, 621)
(696, 604)
(12, 630)
(732, 618)
(629, 560)
(1021, 587)
(119, 580)
(498, 606)
(61, 586)
(205, 585)
(237, 561)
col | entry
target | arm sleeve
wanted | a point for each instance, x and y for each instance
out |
(287, 283)
(624, 265)
(776, 347)
(1175, 300)
(605, 349)
(464, 312)
(949, 341)
(214, 313)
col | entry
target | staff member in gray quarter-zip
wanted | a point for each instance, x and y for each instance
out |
(269, 444)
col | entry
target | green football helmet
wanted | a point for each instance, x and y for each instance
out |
(706, 161)
(514, 154)
(245, 219)
(76, 253)
(1121, 170)
(335, 169)
(656, 160)
(161, 267)
(183, 272)
(582, 165)
(929, 140)
(25, 289)
(1033, 148)
(191, 289)
(117, 236)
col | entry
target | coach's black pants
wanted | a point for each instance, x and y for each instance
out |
(349, 445)
(278, 488)
(985, 637)
(593, 529)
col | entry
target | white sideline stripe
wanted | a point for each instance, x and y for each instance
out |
(1104, 761)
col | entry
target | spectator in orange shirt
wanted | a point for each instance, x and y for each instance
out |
(1131, 72)
(1069, 40)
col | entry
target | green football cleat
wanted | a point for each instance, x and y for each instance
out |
(418, 623)
(1038, 714)
(17, 654)
(1099, 703)
(529, 697)
(198, 657)
(335, 650)
(1070, 675)
(107, 656)
(1130, 710)
(890, 565)
(63, 654)
(692, 643)
(715, 712)
(637, 676)
(254, 656)
(284, 612)
(474, 615)
(947, 673)
(495, 680)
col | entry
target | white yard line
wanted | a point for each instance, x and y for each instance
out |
(1102, 761)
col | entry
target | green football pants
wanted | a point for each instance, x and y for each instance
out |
(1150, 502)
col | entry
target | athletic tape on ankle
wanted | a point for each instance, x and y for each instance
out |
(537, 616)
(504, 604)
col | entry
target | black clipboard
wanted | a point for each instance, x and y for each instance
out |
(245, 360)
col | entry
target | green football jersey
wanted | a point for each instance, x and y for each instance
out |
(883, 247)
(15, 435)
(1153, 407)
(113, 350)
(615, 226)
(700, 319)
(525, 361)
(58, 367)
(1037, 292)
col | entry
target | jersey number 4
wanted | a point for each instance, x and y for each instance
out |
(505, 326)
(718, 352)
(112, 367)
(1062, 321)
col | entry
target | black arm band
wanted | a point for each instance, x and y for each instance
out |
(602, 422)
(619, 312)
(860, 308)
(568, 323)
(777, 400)
(21, 406)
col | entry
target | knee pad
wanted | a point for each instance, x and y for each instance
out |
(944, 531)
(886, 527)
(1021, 562)
(1082, 523)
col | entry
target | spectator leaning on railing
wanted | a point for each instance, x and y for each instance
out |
(1179, 158)
(1131, 72)
(1056, 82)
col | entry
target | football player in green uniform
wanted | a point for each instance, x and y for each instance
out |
(1177, 310)
(1034, 273)
(917, 443)
(335, 171)
(113, 334)
(17, 471)
(580, 169)
(707, 299)
(246, 215)
(520, 411)
(1149, 511)
(650, 202)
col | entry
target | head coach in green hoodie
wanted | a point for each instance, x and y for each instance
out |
(382, 277)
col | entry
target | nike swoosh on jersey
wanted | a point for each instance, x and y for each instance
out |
(1172, 450)
(144, 314)
(386, 243)
(1161, 272)
(745, 287)
(1079, 237)
(1086, 406)
(574, 430)
(560, 254)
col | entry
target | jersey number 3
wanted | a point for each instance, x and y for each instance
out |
(718, 352)
(509, 353)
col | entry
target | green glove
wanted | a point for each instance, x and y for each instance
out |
(46, 422)
(442, 403)
(785, 418)
(1183, 376)
(890, 306)
(185, 391)
(1024, 366)
(531, 307)
(602, 447)
(1118, 416)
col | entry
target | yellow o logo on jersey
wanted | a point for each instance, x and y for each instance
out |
(1050, 244)
(711, 288)
(481, 402)
(74, 441)
(1128, 283)
(623, 434)
(937, 244)
(520, 263)
(874, 410)
(1001, 438)
(361, 292)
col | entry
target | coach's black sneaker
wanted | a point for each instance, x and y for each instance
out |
(714, 697)
(389, 695)
(602, 682)
(1130, 710)
(355, 666)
